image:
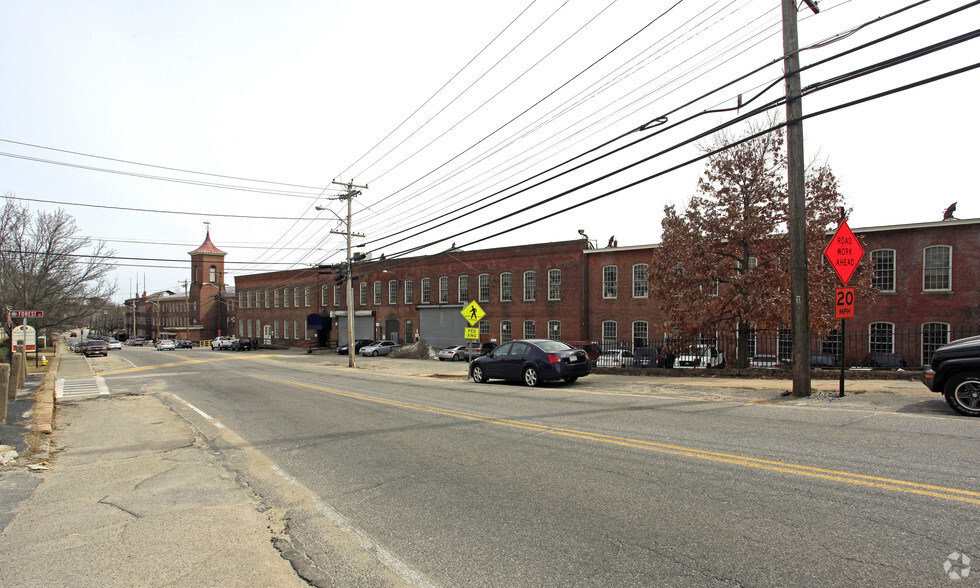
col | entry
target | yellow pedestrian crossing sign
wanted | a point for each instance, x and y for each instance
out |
(473, 313)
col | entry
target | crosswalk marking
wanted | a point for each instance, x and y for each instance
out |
(67, 388)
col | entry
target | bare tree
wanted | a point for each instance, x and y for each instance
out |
(45, 265)
(724, 261)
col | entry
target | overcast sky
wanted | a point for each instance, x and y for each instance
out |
(438, 106)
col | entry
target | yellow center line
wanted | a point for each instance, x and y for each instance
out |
(176, 363)
(845, 477)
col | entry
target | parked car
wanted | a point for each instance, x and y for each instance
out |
(770, 362)
(646, 356)
(824, 360)
(221, 342)
(185, 344)
(884, 361)
(358, 344)
(465, 352)
(241, 344)
(379, 348)
(114, 344)
(616, 358)
(95, 347)
(700, 356)
(591, 348)
(166, 345)
(136, 341)
(954, 372)
(532, 361)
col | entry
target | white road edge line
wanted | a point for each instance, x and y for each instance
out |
(386, 557)
(194, 408)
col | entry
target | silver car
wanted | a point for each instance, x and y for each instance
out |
(379, 348)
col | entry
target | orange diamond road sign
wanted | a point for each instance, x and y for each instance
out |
(844, 252)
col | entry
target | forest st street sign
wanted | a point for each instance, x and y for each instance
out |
(25, 314)
(844, 252)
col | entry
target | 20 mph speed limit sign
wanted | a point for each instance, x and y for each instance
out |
(844, 308)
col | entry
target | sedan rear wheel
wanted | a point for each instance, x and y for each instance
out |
(531, 377)
(455, 357)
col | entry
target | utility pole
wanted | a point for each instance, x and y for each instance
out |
(796, 169)
(349, 197)
(187, 312)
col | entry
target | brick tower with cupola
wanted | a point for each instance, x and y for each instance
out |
(207, 284)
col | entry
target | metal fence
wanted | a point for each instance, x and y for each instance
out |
(881, 349)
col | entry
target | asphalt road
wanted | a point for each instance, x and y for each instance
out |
(453, 483)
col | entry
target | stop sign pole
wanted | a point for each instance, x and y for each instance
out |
(843, 252)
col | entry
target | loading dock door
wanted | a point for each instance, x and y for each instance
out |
(442, 326)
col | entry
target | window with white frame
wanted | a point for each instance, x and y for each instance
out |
(554, 330)
(241, 300)
(307, 295)
(336, 295)
(881, 338)
(883, 269)
(530, 285)
(937, 268)
(484, 327)
(363, 292)
(641, 288)
(285, 329)
(463, 288)
(275, 328)
(324, 296)
(377, 293)
(554, 284)
(426, 291)
(506, 335)
(392, 292)
(609, 335)
(505, 287)
(934, 336)
(249, 327)
(285, 297)
(529, 330)
(483, 287)
(275, 298)
(296, 294)
(444, 290)
(610, 279)
(250, 299)
(265, 298)
(641, 334)
(409, 291)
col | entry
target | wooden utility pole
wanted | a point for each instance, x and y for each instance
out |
(796, 170)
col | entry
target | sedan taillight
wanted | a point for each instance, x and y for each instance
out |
(552, 358)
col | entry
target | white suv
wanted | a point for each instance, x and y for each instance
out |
(221, 342)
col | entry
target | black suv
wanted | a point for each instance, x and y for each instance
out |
(955, 372)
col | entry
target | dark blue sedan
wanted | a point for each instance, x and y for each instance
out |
(532, 361)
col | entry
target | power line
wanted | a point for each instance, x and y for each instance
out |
(154, 211)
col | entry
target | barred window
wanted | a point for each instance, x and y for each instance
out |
(610, 277)
(937, 268)
(641, 288)
(463, 288)
(784, 345)
(426, 291)
(530, 285)
(529, 331)
(554, 284)
(444, 290)
(881, 337)
(505, 287)
(883, 266)
(554, 330)
(506, 335)
(483, 285)
(641, 334)
(609, 335)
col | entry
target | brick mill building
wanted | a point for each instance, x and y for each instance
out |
(926, 275)
(198, 314)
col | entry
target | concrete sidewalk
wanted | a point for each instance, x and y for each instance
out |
(133, 498)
